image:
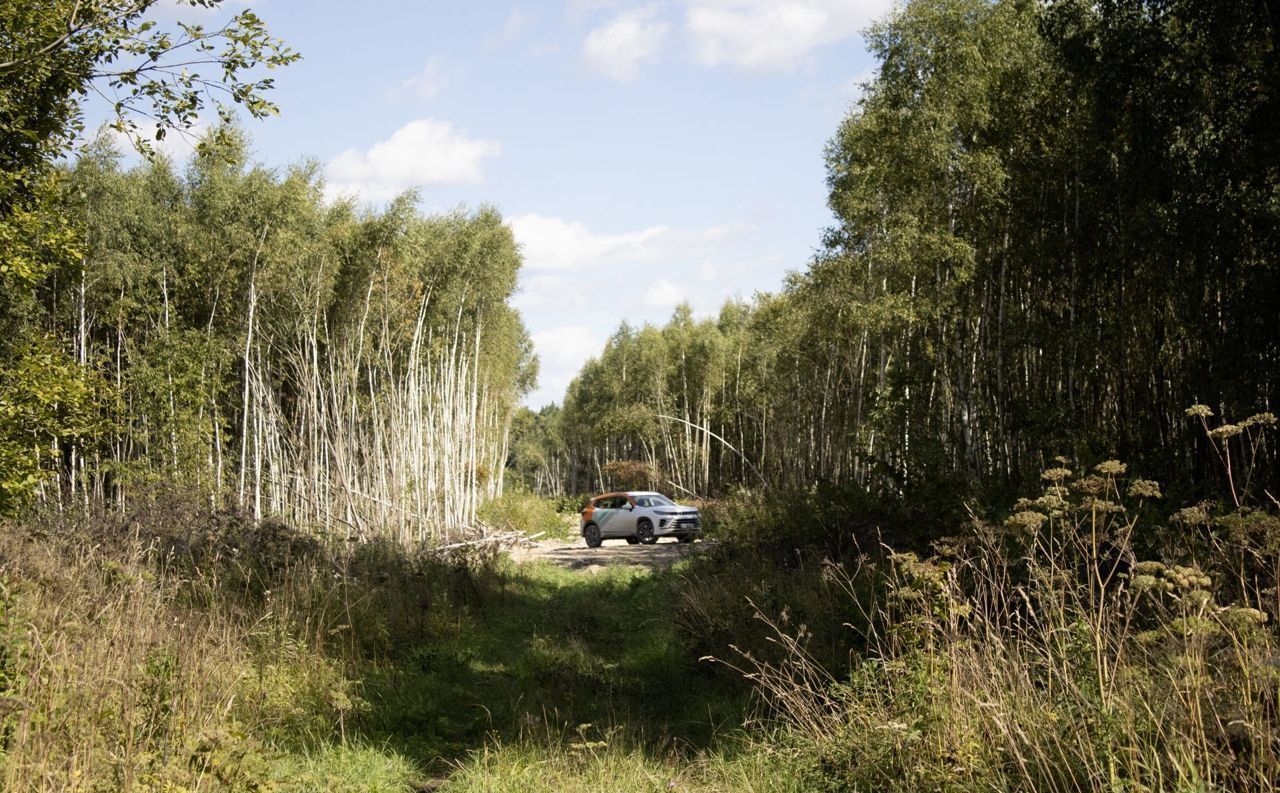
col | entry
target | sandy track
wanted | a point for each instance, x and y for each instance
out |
(577, 556)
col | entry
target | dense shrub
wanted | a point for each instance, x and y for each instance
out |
(528, 514)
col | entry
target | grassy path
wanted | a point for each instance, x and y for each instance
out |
(563, 677)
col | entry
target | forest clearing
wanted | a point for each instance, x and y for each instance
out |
(302, 421)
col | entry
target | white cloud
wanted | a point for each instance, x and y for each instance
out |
(516, 23)
(619, 47)
(562, 351)
(177, 145)
(421, 153)
(555, 244)
(551, 291)
(664, 294)
(551, 244)
(428, 83)
(773, 35)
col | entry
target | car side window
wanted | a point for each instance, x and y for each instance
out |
(644, 501)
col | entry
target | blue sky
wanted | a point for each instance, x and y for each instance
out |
(644, 153)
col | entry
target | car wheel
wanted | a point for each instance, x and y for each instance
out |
(592, 535)
(644, 533)
(632, 541)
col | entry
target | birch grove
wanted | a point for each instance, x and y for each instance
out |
(348, 371)
(1046, 240)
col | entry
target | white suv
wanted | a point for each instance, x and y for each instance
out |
(638, 517)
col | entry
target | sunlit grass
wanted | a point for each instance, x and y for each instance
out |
(590, 766)
(352, 768)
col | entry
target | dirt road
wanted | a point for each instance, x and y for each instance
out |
(577, 556)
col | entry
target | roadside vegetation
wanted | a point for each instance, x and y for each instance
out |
(990, 485)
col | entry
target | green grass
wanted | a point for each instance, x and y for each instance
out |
(360, 669)
(542, 651)
(592, 766)
(344, 769)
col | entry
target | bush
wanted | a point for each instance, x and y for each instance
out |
(527, 514)
(631, 475)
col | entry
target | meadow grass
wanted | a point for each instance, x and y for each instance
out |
(214, 653)
(205, 652)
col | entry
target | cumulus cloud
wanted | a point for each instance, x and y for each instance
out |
(562, 350)
(428, 83)
(773, 35)
(618, 48)
(664, 294)
(421, 153)
(554, 244)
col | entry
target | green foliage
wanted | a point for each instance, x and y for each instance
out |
(52, 401)
(53, 54)
(573, 765)
(43, 394)
(528, 514)
(1033, 655)
(129, 321)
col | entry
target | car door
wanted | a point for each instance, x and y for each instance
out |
(617, 518)
(624, 521)
(601, 514)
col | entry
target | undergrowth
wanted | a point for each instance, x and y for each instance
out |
(178, 648)
(1093, 638)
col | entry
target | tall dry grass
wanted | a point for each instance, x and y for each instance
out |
(178, 648)
(1044, 655)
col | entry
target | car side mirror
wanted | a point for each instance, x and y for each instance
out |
(630, 507)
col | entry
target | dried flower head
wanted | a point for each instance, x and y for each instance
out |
(1240, 617)
(1188, 577)
(1093, 504)
(1260, 419)
(1144, 583)
(1149, 567)
(1199, 411)
(1225, 431)
(1145, 488)
(1191, 516)
(1091, 485)
(1051, 503)
(1056, 474)
(1111, 468)
(1026, 520)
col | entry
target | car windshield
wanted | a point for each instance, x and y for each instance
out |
(654, 501)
